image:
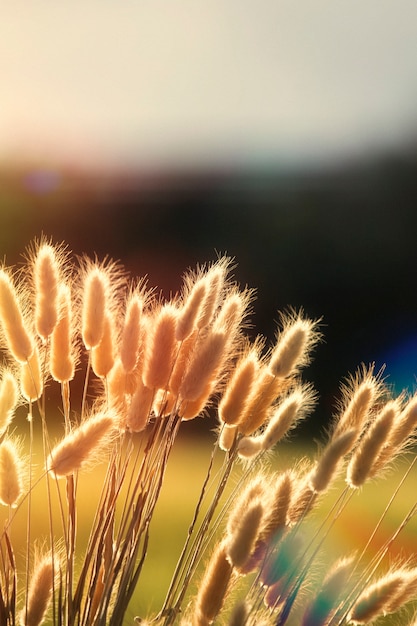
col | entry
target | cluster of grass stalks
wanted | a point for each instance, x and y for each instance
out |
(130, 368)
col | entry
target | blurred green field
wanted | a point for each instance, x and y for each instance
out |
(186, 472)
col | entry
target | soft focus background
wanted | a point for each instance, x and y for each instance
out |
(283, 134)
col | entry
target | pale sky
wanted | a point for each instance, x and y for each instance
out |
(201, 82)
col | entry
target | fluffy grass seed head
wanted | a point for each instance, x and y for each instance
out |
(18, 339)
(161, 348)
(191, 309)
(189, 409)
(376, 599)
(99, 286)
(205, 364)
(251, 493)
(407, 593)
(46, 279)
(303, 496)
(9, 397)
(121, 384)
(84, 445)
(31, 377)
(288, 413)
(103, 354)
(242, 538)
(265, 391)
(401, 435)
(182, 361)
(362, 462)
(234, 400)
(139, 411)
(130, 342)
(277, 502)
(40, 591)
(214, 587)
(62, 357)
(214, 280)
(232, 313)
(328, 463)
(359, 395)
(293, 347)
(11, 473)
(404, 426)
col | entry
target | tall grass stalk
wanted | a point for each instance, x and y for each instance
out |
(107, 372)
